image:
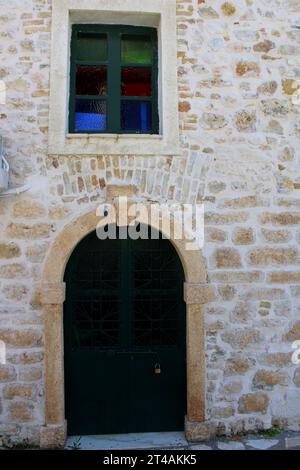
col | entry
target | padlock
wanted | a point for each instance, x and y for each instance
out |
(157, 369)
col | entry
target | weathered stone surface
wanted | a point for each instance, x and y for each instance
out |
(7, 373)
(208, 12)
(242, 313)
(267, 379)
(276, 236)
(263, 294)
(264, 46)
(225, 219)
(248, 69)
(197, 432)
(198, 293)
(12, 271)
(226, 292)
(237, 365)
(278, 359)
(296, 378)
(20, 411)
(30, 373)
(246, 121)
(284, 277)
(21, 338)
(28, 210)
(58, 212)
(237, 276)
(222, 412)
(227, 258)
(53, 437)
(231, 445)
(243, 236)
(214, 235)
(115, 191)
(253, 403)
(9, 250)
(184, 106)
(213, 121)
(275, 108)
(267, 88)
(28, 232)
(232, 388)
(283, 218)
(243, 202)
(216, 187)
(26, 357)
(53, 292)
(241, 338)
(293, 334)
(36, 253)
(272, 256)
(228, 9)
(15, 292)
(291, 442)
(19, 391)
(262, 444)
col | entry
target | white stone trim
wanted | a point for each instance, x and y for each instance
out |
(156, 13)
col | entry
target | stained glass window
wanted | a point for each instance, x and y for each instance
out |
(113, 80)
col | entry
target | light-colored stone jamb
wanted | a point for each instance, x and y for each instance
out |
(52, 287)
(156, 13)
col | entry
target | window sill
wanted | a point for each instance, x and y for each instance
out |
(113, 144)
(114, 136)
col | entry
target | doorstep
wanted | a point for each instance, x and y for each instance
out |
(153, 440)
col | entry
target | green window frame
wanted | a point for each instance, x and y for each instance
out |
(112, 97)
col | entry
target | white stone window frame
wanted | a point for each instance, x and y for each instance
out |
(160, 14)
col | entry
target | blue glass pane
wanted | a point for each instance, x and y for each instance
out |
(136, 116)
(90, 116)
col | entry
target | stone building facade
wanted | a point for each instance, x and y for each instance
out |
(238, 63)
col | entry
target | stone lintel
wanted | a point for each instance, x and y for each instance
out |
(114, 191)
(53, 293)
(198, 293)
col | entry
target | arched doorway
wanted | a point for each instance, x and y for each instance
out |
(124, 337)
(197, 292)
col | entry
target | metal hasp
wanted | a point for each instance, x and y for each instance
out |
(4, 168)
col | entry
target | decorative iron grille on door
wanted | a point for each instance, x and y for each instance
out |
(124, 334)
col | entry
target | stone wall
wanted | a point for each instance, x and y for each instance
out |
(237, 63)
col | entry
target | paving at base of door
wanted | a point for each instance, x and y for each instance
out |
(176, 441)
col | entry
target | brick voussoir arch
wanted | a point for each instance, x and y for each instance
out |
(197, 292)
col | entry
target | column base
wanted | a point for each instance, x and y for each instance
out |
(199, 431)
(53, 436)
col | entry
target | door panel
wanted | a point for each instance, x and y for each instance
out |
(124, 313)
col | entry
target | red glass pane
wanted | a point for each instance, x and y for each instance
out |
(136, 81)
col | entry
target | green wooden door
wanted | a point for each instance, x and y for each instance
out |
(124, 313)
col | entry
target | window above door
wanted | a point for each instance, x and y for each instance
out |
(114, 80)
(113, 87)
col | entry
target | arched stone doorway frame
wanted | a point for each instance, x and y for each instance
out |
(196, 293)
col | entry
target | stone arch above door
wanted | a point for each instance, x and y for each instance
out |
(197, 292)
